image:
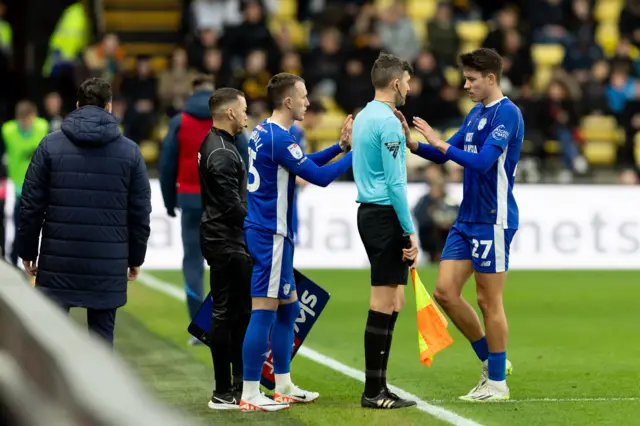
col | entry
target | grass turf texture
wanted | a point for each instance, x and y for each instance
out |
(573, 335)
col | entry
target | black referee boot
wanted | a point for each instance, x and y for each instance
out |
(225, 401)
(386, 400)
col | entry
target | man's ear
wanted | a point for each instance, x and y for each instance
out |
(77, 105)
(109, 107)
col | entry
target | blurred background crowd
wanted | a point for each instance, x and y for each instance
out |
(571, 65)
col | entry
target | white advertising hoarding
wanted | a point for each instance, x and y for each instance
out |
(561, 227)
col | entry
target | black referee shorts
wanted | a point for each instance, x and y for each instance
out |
(383, 239)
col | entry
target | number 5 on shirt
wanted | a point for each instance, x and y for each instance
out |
(253, 183)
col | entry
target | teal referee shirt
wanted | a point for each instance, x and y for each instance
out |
(379, 160)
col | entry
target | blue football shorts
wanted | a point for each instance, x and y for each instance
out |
(486, 245)
(272, 265)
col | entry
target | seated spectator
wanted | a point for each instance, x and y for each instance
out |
(175, 83)
(253, 82)
(207, 39)
(507, 19)
(594, 89)
(103, 60)
(354, 87)
(323, 65)
(141, 92)
(559, 120)
(396, 31)
(629, 24)
(442, 38)
(53, 111)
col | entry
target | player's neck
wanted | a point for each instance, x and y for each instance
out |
(227, 127)
(496, 96)
(386, 98)
(282, 118)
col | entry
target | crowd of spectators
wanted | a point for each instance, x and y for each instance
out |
(333, 44)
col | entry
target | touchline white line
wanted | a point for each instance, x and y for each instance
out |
(434, 410)
(526, 400)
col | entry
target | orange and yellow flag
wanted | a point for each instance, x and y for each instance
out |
(433, 335)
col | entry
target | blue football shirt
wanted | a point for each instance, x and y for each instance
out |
(488, 197)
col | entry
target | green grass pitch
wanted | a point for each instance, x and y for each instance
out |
(574, 343)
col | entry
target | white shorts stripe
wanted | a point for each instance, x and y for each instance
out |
(499, 249)
(276, 266)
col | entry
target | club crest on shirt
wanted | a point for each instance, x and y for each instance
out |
(393, 148)
(500, 132)
(295, 151)
(482, 123)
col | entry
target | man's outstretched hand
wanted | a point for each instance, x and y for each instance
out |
(411, 144)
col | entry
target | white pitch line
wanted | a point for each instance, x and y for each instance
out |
(442, 401)
(434, 410)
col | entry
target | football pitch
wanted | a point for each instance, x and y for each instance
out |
(574, 343)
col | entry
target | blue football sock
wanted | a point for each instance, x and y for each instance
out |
(256, 344)
(481, 348)
(282, 337)
(497, 366)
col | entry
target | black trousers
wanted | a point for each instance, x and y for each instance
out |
(101, 322)
(230, 281)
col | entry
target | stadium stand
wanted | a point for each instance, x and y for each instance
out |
(571, 65)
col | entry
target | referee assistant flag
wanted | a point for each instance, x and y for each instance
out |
(432, 325)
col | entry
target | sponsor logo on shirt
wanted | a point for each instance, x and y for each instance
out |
(295, 151)
(468, 137)
(500, 132)
(393, 148)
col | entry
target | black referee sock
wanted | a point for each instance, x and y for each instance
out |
(385, 361)
(375, 348)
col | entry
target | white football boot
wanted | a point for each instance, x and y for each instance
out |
(261, 402)
(489, 391)
(294, 395)
(484, 376)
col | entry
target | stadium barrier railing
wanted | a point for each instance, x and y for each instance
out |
(54, 373)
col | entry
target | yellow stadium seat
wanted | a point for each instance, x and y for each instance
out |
(607, 36)
(383, 4)
(608, 10)
(465, 104)
(472, 31)
(552, 147)
(150, 151)
(548, 55)
(330, 127)
(421, 9)
(636, 145)
(600, 152)
(449, 133)
(420, 27)
(286, 9)
(297, 31)
(601, 128)
(453, 76)
(161, 131)
(541, 79)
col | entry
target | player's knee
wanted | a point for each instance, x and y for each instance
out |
(445, 296)
(489, 303)
(399, 302)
